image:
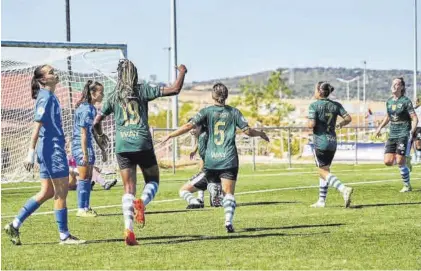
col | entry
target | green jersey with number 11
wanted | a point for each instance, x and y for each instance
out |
(222, 122)
(131, 121)
(325, 112)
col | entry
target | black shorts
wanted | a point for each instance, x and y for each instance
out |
(400, 146)
(143, 159)
(323, 157)
(199, 181)
(418, 133)
(215, 175)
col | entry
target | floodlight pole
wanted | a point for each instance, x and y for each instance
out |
(69, 58)
(415, 50)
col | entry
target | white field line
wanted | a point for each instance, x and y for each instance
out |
(240, 175)
(239, 193)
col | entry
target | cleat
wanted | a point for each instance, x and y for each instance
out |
(406, 189)
(215, 192)
(109, 184)
(139, 212)
(72, 240)
(130, 238)
(194, 206)
(202, 205)
(347, 196)
(13, 234)
(318, 204)
(92, 185)
(230, 228)
(409, 163)
(86, 213)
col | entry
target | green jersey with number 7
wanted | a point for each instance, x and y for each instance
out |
(325, 112)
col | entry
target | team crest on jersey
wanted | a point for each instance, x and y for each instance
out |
(393, 107)
(40, 110)
(223, 115)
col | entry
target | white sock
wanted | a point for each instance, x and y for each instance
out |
(128, 210)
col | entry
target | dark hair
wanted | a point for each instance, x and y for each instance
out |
(219, 93)
(126, 87)
(324, 88)
(403, 85)
(90, 87)
(35, 82)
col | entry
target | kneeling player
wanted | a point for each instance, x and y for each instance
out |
(322, 118)
(199, 181)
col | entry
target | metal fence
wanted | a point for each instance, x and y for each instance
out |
(288, 148)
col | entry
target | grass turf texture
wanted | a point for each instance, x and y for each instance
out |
(275, 227)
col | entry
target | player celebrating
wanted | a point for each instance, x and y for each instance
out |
(134, 145)
(417, 144)
(52, 160)
(221, 158)
(82, 146)
(403, 123)
(199, 181)
(322, 115)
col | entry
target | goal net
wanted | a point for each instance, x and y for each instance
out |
(75, 63)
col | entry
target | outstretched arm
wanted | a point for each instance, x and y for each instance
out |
(176, 87)
(254, 133)
(180, 131)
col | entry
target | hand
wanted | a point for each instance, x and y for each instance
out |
(378, 133)
(85, 160)
(182, 68)
(338, 126)
(192, 154)
(264, 137)
(104, 157)
(29, 162)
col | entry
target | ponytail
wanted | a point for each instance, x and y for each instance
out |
(89, 87)
(35, 81)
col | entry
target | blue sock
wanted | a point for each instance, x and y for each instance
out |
(88, 195)
(149, 192)
(61, 219)
(404, 170)
(82, 193)
(30, 206)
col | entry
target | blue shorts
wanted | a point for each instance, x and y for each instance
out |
(52, 159)
(77, 153)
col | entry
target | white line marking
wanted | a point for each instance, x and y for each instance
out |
(240, 193)
(249, 175)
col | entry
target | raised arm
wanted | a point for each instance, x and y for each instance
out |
(176, 87)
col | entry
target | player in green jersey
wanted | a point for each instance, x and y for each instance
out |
(322, 115)
(221, 157)
(403, 124)
(134, 146)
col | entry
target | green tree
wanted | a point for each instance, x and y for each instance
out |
(266, 97)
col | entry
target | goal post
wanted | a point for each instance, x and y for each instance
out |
(75, 63)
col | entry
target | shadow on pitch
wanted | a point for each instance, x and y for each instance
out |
(383, 204)
(241, 204)
(291, 227)
(159, 212)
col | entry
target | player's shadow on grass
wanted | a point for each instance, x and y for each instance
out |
(291, 227)
(231, 236)
(143, 239)
(383, 204)
(241, 204)
(159, 212)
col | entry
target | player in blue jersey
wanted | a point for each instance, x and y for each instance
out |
(134, 145)
(52, 160)
(82, 145)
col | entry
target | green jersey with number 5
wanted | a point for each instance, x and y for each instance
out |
(222, 122)
(325, 112)
(131, 120)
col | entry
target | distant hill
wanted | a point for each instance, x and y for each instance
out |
(302, 81)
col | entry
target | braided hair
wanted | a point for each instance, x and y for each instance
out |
(219, 93)
(325, 89)
(127, 87)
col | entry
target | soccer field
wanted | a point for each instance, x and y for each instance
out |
(275, 227)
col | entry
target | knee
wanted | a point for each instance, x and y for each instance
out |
(388, 163)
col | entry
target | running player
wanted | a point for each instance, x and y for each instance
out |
(221, 158)
(403, 123)
(134, 145)
(322, 115)
(417, 144)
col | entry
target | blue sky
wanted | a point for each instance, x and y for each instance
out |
(223, 38)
